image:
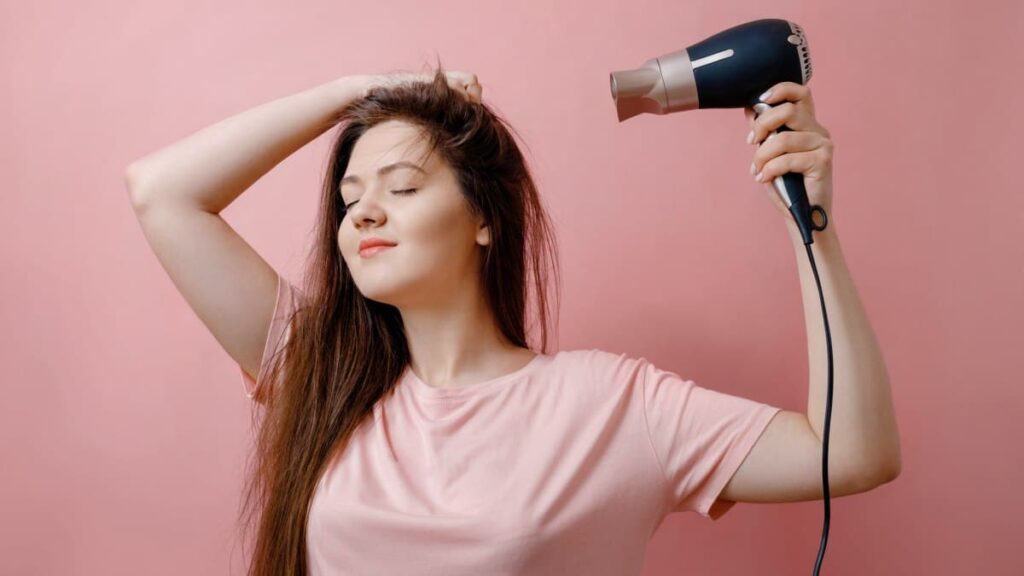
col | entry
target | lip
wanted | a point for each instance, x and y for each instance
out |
(374, 241)
(369, 252)
(370, 246)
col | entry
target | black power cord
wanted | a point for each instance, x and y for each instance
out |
(828, 409)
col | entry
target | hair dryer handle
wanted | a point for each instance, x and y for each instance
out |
(790, 187)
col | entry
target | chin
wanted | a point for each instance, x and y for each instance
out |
(380, 294)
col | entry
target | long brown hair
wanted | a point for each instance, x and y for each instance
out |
(346, 352)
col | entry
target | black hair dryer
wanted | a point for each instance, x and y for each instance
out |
(728, 70)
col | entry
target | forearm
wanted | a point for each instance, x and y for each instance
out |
(862, 434)
(213, 166)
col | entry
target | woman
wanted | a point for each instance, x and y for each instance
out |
(409, 428)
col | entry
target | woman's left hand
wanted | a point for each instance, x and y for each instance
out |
(806, 149)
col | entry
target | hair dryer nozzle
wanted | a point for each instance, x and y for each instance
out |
(660, 86)
(631, 90)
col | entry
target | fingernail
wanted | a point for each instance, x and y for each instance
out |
(765, 96)
(750, 137)
(759, 176)
(752, 168)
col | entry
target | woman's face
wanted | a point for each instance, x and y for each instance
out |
(437, 240)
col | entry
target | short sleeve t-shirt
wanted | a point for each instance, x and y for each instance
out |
(567, 465)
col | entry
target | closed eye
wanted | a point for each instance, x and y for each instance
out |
(406, 191)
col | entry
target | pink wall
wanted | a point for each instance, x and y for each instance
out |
(123, 425)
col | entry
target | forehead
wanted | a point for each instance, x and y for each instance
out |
(392, 146)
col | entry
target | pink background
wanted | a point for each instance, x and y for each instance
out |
(123, 424)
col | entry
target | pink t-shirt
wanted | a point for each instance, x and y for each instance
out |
(565, 466)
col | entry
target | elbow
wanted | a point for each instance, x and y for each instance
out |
(893, 471)
(131, 182)
(889, 460)
(866, 482)
(887, 473)
(894, 462)
(878, 472)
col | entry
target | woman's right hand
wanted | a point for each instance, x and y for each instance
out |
(463, 82)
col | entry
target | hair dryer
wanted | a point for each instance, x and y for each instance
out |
(728, 70)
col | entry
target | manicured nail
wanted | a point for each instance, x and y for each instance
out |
(760, 176)
(752, 168)
(750, 137)
(765, 96)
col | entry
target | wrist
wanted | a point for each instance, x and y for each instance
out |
(823, 240)
(349, 88)
(816, 220)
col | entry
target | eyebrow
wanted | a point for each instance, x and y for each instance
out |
(382, 171)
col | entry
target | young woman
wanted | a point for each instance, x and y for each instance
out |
(408, 427)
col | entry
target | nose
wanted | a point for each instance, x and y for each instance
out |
(366, 212)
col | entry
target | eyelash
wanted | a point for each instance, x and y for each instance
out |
(406, 191)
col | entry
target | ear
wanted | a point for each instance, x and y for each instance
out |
(483, 234)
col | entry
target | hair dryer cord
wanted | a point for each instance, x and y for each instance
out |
(828, 408)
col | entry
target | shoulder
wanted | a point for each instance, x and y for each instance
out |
(603, 366)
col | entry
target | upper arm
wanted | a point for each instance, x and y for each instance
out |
(222, 278)
(785, 466)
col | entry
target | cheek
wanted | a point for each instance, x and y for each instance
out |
(455, 249)
(344, 240)
(444, 233)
